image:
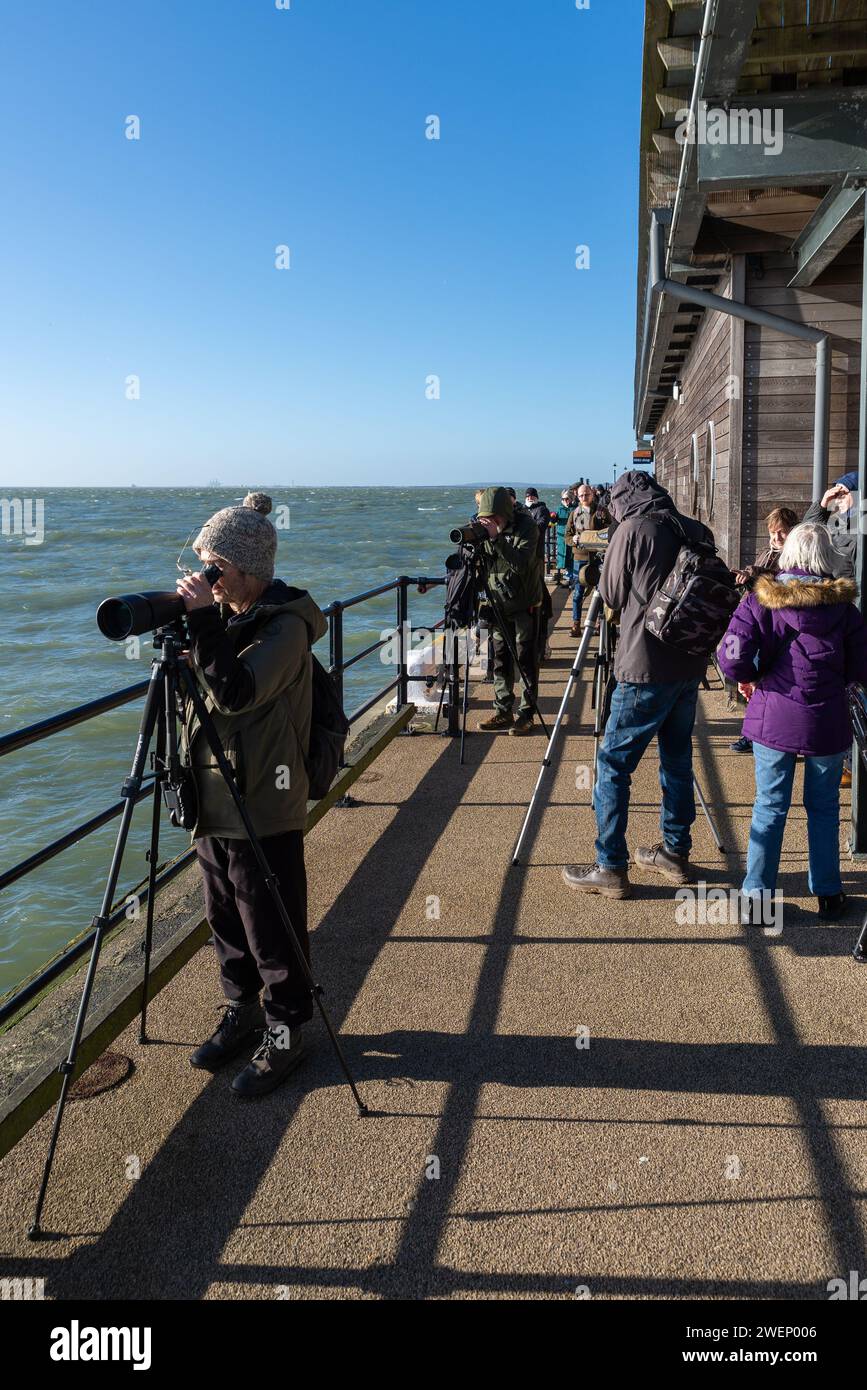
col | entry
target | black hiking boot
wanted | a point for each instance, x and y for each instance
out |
(281, 1050)
(238, 1025)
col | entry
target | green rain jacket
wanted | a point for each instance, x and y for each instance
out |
(514, 565)
(255, 670)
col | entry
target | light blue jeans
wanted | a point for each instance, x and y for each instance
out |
(775, 772)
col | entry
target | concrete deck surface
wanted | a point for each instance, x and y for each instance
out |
(710, 1143)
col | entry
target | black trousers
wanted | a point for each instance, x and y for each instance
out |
(253, 946)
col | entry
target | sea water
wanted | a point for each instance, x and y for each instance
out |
(94, 543)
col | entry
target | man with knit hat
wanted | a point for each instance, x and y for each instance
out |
(514, 577)
(250, 640)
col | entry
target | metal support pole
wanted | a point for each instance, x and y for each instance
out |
(822, 423)
(858, 836)
(402, 693)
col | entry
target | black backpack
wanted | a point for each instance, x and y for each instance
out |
(329, 728)
(693, 605)
(460, 605)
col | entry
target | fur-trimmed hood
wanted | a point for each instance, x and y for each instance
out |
(798, 590)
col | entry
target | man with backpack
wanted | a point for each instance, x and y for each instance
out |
(250, 652)
(674, 597)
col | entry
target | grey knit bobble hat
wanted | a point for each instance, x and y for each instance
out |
(242, 535)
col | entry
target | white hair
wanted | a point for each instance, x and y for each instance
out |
(808, 547)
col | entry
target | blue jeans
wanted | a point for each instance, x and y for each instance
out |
(577, 598)
(637, 713)
(775, 772)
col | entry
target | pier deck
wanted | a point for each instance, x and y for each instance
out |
(710, 1142)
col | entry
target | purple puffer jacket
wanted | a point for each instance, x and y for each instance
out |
(811, 642)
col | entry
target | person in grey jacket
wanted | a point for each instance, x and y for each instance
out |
(655, 696)
(839, 510)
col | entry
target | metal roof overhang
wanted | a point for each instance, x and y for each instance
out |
(825, 127)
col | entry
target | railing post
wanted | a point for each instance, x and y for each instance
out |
(335, 647)
(402, 606)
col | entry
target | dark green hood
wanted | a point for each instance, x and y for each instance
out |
(281, 598)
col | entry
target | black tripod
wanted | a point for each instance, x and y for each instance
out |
(451, 681)
(603, 681)
(170, 677)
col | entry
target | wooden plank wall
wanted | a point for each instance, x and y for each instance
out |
(777, 395)
(780, 381)
(707, 389)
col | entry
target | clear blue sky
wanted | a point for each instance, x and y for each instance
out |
(409, 257)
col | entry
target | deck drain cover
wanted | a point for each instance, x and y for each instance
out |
(106, 1071)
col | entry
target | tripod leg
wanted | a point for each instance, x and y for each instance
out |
(131, 787)
(717, 841)
(589, 623)
(860, 951)
(153, 859)
(466, 699)
(270, 878)
(443, 690)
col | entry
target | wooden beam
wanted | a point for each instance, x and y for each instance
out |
(788, 43)
(836, 220)
(770, 47)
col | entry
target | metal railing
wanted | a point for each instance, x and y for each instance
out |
(35, 733)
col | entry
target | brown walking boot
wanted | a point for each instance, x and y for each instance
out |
(610, 883)
(497, 720)
(522, 725)
(660, 860)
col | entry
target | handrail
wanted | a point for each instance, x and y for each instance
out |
(32, 733)
(44, 728)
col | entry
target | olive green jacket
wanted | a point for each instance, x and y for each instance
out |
(514, 565)
(265, 737)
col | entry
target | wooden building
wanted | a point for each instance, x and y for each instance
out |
(757, 197)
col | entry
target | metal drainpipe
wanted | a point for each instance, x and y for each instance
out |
(707, 28)
(686, 294)
(858, 836)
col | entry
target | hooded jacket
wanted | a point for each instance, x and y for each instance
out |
(811, 642)
(514, 564)
(640, 555)
(255, 670)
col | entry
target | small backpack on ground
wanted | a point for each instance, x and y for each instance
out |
(693, 605)
(329, 728)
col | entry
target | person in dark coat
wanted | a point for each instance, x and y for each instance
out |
(802, 629)
(839, 510)
(655, 696)
(541, 514)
